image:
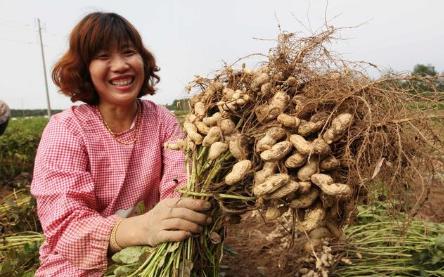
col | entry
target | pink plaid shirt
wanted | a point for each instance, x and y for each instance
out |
(83, 177)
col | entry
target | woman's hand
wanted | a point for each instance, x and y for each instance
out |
(170, 220)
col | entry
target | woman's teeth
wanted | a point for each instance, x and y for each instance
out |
(122, 82)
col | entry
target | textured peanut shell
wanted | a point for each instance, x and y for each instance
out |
(327, 185)
(199, 109)
(227, 126)
(267, 170)
(241, 102)
(276, 132)
(338, 127)
(296, 160)
(320, 147)
(237, 94)
(301, 145)
(265, 143)
(216, 149)
(192, 133)
(312, 220)
(271, 184)
(202, 127)
(278, 104)
(277, 151)
(329, 163)
(214, 134)
(309, 127)
(305, 200)
(320, 179)
(259, 80)
(239, 171)
(337, 189)
(212, 120)
(262, 112)
(288, 120)
(290, 187)
(310, 168)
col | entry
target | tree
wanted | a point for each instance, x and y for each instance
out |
(425, 85)
(424, 70)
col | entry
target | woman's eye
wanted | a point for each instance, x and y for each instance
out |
(129, 52)
(102, 56)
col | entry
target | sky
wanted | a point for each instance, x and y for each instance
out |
(196, 37)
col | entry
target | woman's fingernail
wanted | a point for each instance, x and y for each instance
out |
(209, 220)
(207, 205)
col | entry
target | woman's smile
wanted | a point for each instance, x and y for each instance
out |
(122, 83)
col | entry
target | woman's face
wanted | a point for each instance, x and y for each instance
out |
(117, 75)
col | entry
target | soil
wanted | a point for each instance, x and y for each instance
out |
(255, 255)
(433, 208)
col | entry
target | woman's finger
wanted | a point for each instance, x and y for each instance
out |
(181, 224)
(189, 215)
(193, 204)
(177, 235)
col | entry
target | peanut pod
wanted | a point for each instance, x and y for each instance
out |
(277, 151)
(192, 133)
(312, 220)
(290, 187)
(271, 184)
(327, 185)
(310, 168)
(216, 149)
(305, 200)
(238, 172)
(272, 136)
(338, 127)
(267, 170)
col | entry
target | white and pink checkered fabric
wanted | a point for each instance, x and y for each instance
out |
(83, 176)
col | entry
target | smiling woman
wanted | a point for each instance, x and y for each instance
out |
(98, 161)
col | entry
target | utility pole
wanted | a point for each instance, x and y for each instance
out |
(44, 70)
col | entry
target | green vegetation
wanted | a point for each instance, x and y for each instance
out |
(35, 112)
(18, 146)
(381, 245)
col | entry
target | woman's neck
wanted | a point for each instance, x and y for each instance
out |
(118, 118)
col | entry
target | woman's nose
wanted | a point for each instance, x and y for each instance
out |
(118, 63)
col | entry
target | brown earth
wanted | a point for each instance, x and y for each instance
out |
(253, 254)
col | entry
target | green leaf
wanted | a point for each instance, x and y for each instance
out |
(124, 270)
(439, 242)
(436, 259)
(129, 255)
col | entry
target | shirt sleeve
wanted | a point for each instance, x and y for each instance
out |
(66, 202)
(173, 161)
